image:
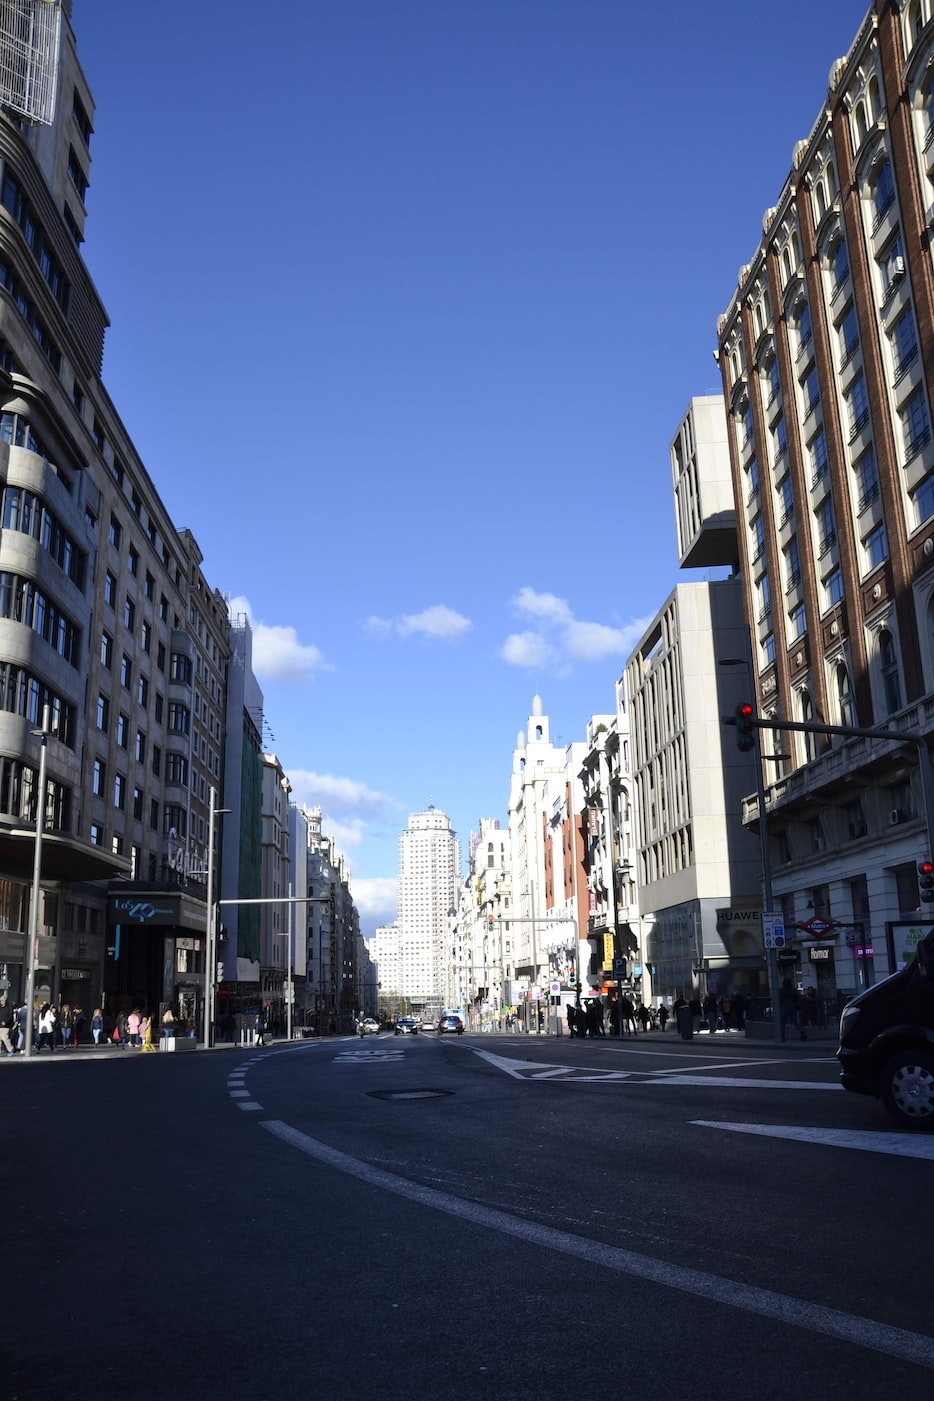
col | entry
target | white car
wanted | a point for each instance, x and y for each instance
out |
(368, 1027)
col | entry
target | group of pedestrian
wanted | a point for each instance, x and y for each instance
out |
(58, 1028)
(586, 1018)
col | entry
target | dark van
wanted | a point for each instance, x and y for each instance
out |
(887, 1041)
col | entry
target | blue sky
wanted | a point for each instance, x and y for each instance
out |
(408, 298)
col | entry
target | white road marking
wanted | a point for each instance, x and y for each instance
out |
(589, 1075)
(917, 1348)
(734, 1083)
(901, 1145)
(239, 1094)
(248, 1104)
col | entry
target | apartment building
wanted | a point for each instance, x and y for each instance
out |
(827, 351)
(429, 879)
(112, 642)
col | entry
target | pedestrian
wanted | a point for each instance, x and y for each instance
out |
(710, 1011)
(132, 1028)
(697, 1012)
(726, 1011)
(259, 1029)
(789, 1006)
(6, 1022)
(66, 1025)
(78, 1028)
(572, 1020)
(46, 1035)
(739, 1011)
(21, 1023)
(644, 1016)
(97, 1025)
(663, 1016)
(168, 1022)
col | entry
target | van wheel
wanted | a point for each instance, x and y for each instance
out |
(907, 1089)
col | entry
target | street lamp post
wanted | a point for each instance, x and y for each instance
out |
(210, 970)
(32, 951)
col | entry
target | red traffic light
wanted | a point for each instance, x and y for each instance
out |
(745, 726)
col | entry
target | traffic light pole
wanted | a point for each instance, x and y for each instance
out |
(860, 732)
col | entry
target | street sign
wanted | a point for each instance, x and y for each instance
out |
(818, 927)
(773, 929)
(555, 987)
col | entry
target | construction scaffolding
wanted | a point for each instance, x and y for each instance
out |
(29, 43)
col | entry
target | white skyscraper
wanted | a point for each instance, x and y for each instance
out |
(429, 865)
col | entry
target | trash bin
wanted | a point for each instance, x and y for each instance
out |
(685, 1023)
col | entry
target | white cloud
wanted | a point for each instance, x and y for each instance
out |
(438, 622)
(277, 652)
(526, 649)
(559, 637)
(344, 799)
(377, 899)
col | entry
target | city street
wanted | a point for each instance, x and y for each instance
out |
(501, 1215)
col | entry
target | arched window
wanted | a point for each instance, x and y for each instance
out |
(831, 179)
(915, 22)
(875, 101)
(862, 126)
(888, 664)
(845, 706)
(820, 196)
(786, 267)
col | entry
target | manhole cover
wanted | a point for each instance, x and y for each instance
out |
(408, 1094)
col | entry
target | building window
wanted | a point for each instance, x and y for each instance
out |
(798, 621)
(143, 692)
(845, 706)
(137, 803)
(857, 406)
(176, 769)
(840, 260)
(129, 614)
(924, 500)
(149, 587)
(888, 661)
(119, 791)
(97, 834)
(179, 718)
(132, 561)
(181, 668)
(107, 650)
(849, 336)
(868, 475)
(145, 637)
(883, 191)
(110, 589)
(811, 390)
(126, 671)
(916, 426)
(156, 760)
(904, 343)
(99, 777)
(140, 747)
(876, 546)
(834, 586)
(103, 714)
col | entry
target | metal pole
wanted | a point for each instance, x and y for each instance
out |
(288, 980)
(32, 952)
(209, 969)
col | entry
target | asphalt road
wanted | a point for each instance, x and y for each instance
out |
(490, 1216)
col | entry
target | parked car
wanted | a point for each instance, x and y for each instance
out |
(887, 1041)
(368, 1027)
(406, 1026)
(449, 1023)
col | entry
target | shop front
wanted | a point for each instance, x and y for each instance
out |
(156, 948)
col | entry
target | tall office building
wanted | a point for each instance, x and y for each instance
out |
(429, 867)
(827, 356)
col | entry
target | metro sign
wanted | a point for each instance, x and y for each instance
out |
(818, 928)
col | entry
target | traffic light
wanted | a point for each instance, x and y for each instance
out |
(489, 922)
(745, 726)
(926, 880)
